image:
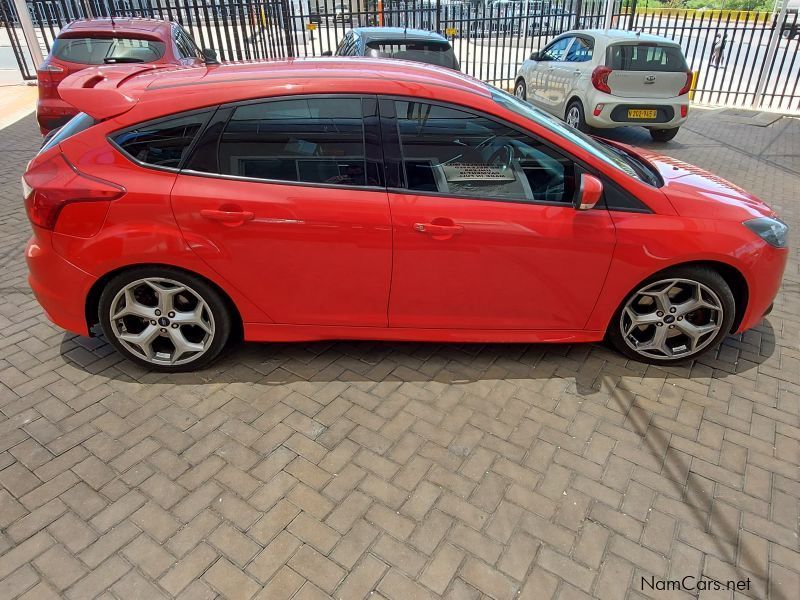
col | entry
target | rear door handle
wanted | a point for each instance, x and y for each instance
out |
(227, 216)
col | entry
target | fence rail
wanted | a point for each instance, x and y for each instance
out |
(490, 40)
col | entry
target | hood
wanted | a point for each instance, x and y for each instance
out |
(696, 193)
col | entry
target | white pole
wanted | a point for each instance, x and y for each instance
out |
(609, 14)
(29, 33)
(772, 51)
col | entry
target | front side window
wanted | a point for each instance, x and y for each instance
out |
(98, 50)
(556, 50)
(308, 140)
(580, 51)
(453, 152)
(161, 143)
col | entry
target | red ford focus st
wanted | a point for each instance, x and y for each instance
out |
(335, 199)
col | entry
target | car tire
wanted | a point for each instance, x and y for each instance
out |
(521, 90)
(575, 117)
(642, 342)
(132, 315)
(663, 135)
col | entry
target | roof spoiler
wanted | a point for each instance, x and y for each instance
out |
(96, 90)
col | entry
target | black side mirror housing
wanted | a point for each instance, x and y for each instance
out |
(210, 56)
(536, 55)
(327, 53)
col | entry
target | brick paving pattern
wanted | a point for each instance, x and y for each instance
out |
(403, 471)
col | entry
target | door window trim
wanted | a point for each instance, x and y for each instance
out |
(232, 106)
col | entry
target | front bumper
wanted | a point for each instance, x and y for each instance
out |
(763, 282)
(60, 287)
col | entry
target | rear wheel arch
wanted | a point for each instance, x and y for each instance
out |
(93, 297)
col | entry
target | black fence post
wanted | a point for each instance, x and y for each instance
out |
(287, 27)
(439, 16)
(632, 15)
(578, 11)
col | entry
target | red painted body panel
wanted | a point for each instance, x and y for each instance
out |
(327, 263)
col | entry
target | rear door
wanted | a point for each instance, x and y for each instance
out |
(646, 70)
(284, 199)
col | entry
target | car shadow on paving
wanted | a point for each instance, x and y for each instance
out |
(404, 470)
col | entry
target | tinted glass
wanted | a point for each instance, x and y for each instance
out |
(556, 50)
(163, 143)
(72, 127)
(311, 140)
(580, 51)
(646, 57)
(96, 51)
(433, 53)
(452, 152)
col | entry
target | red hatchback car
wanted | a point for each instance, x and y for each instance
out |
(185, 207)
(88, 42)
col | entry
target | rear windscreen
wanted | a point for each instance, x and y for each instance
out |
(433, 53)
(97, 51)
(646, 57)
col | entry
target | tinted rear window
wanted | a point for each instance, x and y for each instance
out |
(97, 51)
(646, 57)
(162, 143)
(432, 53)
(75, 125)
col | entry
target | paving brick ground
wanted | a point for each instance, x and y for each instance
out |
(403, 471)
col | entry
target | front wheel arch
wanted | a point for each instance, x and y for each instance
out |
(93, 297)
(733, 277)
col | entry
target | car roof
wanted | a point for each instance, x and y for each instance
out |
(620, 35)
(369, 34)
(127, 25)
(167, 90)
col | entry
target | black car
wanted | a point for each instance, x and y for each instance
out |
(396, 42)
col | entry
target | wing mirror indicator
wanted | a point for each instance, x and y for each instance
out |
(589, 192)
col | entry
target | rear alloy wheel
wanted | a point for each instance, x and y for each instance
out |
(675, 317)
(520, 90)
(164, 319)
(575, 117)
(663, 135)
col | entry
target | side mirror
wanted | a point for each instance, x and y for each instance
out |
(327, 53)
(210, 55)
(536, 55)
(589, 192)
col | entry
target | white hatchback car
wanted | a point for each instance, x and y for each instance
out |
(609, 78)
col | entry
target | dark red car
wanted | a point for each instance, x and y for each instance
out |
(90, 42)
(373, 199)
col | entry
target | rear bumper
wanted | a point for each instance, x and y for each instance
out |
(52, 113)
(60, 287)
(615, 109)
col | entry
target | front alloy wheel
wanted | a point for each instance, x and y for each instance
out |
(520, 90)
(675, 316)
(165, 321)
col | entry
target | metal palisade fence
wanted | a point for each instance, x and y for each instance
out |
(758, 65)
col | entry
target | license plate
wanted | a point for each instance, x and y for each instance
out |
(638, 113)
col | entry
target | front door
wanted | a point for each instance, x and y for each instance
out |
(485, 236)
(283, 198)
(550, 76)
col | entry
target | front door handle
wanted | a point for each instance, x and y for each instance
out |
(227, 216)
(437, 230)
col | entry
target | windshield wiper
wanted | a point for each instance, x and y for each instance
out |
(121, 59)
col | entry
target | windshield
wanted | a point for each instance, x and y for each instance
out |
(430, 52)
(604, 152)
(97, 51)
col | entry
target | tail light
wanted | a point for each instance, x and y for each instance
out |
(49, 76)
(55, 183)
(598, 109)
(688, 85)
(600, 78)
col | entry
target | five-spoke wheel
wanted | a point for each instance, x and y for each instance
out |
(674, 317)
(164, 318)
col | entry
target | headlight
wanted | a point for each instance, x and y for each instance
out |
(772, 231)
